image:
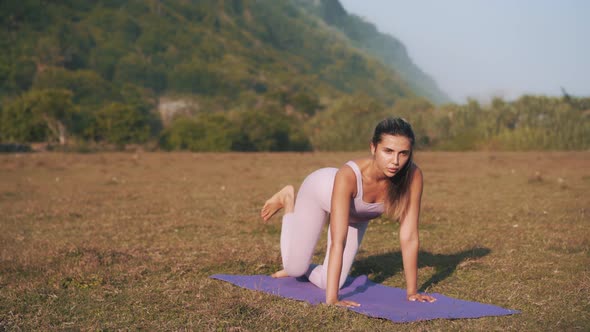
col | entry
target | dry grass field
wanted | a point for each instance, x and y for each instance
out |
(127, 241)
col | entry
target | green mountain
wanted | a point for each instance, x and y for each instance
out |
(389, 50)
(219, 75)
(217, 48)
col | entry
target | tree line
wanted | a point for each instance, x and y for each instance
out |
(265, 75)
(298, 122)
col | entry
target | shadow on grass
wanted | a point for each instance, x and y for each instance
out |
(383, 266)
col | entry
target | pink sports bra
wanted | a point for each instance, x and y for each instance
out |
(359, 209)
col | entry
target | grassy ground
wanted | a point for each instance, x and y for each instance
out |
(122, 240)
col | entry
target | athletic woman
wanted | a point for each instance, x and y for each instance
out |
(361, 190)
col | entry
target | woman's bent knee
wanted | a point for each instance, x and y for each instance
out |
(296, 270)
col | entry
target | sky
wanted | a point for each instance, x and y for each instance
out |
(491, 48)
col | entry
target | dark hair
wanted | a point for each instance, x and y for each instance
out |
(398, 192)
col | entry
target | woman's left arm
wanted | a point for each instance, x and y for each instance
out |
(410, 241)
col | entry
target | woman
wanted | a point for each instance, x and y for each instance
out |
(359, 191)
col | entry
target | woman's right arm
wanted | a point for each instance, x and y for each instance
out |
(344, 188)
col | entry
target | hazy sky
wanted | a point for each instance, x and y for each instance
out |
(485, 48)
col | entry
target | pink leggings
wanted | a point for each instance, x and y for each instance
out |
(302, 228)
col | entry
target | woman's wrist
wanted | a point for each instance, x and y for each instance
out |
(420, 297)
(331, 300)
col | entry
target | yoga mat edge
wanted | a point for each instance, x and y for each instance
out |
(376, 300)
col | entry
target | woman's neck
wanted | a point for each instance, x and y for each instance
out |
(373, 173)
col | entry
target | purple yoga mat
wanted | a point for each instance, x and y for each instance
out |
(376, 300)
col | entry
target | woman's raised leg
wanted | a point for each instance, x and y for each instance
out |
(303, 222)
(284, 198)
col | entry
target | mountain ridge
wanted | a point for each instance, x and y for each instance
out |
(385, 47)
(227, 45)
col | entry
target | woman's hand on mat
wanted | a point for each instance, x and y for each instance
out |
(421, 298)
(343, 303)
(347, 303)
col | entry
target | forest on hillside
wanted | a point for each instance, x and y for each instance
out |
(251, 75)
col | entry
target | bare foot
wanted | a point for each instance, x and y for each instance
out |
(280, 274)
(284, 198)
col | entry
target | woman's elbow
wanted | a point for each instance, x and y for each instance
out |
(337, 246)
(409, 239)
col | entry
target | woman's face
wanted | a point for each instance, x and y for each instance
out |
(391, 154)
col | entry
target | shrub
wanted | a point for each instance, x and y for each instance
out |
(266, 130)
(122, 124)
(207, 132)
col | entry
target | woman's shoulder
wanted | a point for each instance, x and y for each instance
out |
(415, 168)
(347, 171)
(417, 177)
(346, 179)
(361, 163)
(355, 167)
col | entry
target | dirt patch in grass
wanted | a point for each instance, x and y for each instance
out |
(128, 241)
